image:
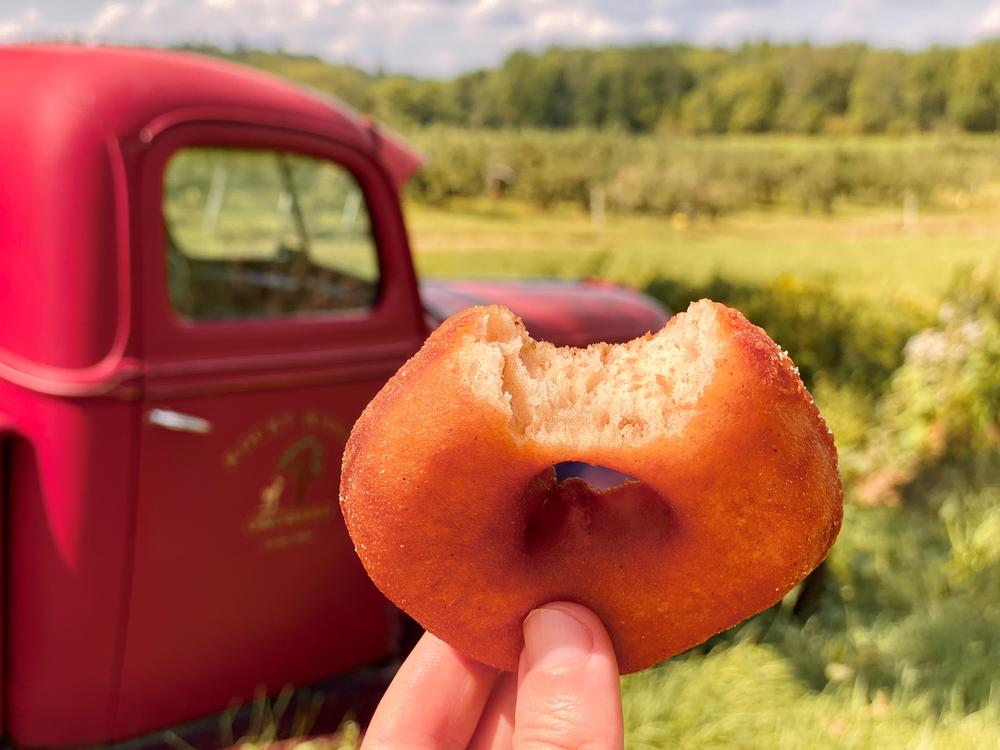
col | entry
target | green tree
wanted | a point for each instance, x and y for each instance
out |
(553, 91)
(476, 97)
(753, 94)
(755, 88)
(402, 100)
(817, 83)
(975, 99)
(877, 92)
(703, 111)
(518, 97)
(604, 93)
(658, 81)
(930, 77)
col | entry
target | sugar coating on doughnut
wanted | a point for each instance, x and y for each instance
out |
(606, 394)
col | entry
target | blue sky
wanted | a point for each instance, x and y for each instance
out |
(443, 37)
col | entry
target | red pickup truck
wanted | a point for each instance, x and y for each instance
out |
(204, 277)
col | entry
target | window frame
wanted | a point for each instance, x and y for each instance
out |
(173, 344)
(372, 244)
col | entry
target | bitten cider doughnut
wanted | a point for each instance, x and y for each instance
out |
(449, 492)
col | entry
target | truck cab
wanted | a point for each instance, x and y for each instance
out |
(204, 278)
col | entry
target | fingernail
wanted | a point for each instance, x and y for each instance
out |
(554, 638)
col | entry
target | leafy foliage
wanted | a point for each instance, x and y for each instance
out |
(642, 89)
(699, 176)
(847, 343)
(943, 406)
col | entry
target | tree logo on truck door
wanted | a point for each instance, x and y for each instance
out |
(297, 467)
(286, 509)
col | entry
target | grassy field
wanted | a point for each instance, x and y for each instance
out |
(903, 650)
(865, 252)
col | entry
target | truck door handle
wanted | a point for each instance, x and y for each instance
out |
(169, 419)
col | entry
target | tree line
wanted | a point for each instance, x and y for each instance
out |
(756, 88)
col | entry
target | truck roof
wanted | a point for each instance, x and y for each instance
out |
(125, 90)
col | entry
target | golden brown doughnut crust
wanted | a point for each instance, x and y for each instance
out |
(465, 530)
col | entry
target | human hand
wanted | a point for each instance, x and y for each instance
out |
(565, 693)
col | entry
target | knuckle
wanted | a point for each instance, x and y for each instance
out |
(562, 743)
(559, 727)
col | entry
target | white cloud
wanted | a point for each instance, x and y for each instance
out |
(150, 7)
(309, 9)
(726, 25)
(662, 27)
(585, 26)
(482, 8)
(848, 19)
(988, 22)
(21, 26)
(107, 18)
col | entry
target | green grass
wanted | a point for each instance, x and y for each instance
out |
(866, 252)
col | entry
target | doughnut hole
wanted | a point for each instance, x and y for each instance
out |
(570, 514)
(598, 477)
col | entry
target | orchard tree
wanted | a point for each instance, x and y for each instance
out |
(930, 77)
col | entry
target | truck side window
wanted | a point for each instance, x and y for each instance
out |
(256, 233)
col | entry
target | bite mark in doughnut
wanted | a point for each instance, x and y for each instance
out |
(449, 494)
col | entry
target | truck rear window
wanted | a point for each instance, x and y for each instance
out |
(256, 233)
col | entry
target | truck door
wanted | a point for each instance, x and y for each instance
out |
(279, 296)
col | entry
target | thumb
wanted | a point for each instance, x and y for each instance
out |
(568, 694)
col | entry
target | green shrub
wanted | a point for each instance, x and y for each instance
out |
(943, 404)
(847, 343)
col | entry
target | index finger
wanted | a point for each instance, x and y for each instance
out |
(434, 701)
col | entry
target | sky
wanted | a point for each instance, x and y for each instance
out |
(441, 38)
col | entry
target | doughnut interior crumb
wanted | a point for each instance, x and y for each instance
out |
(606, 394)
